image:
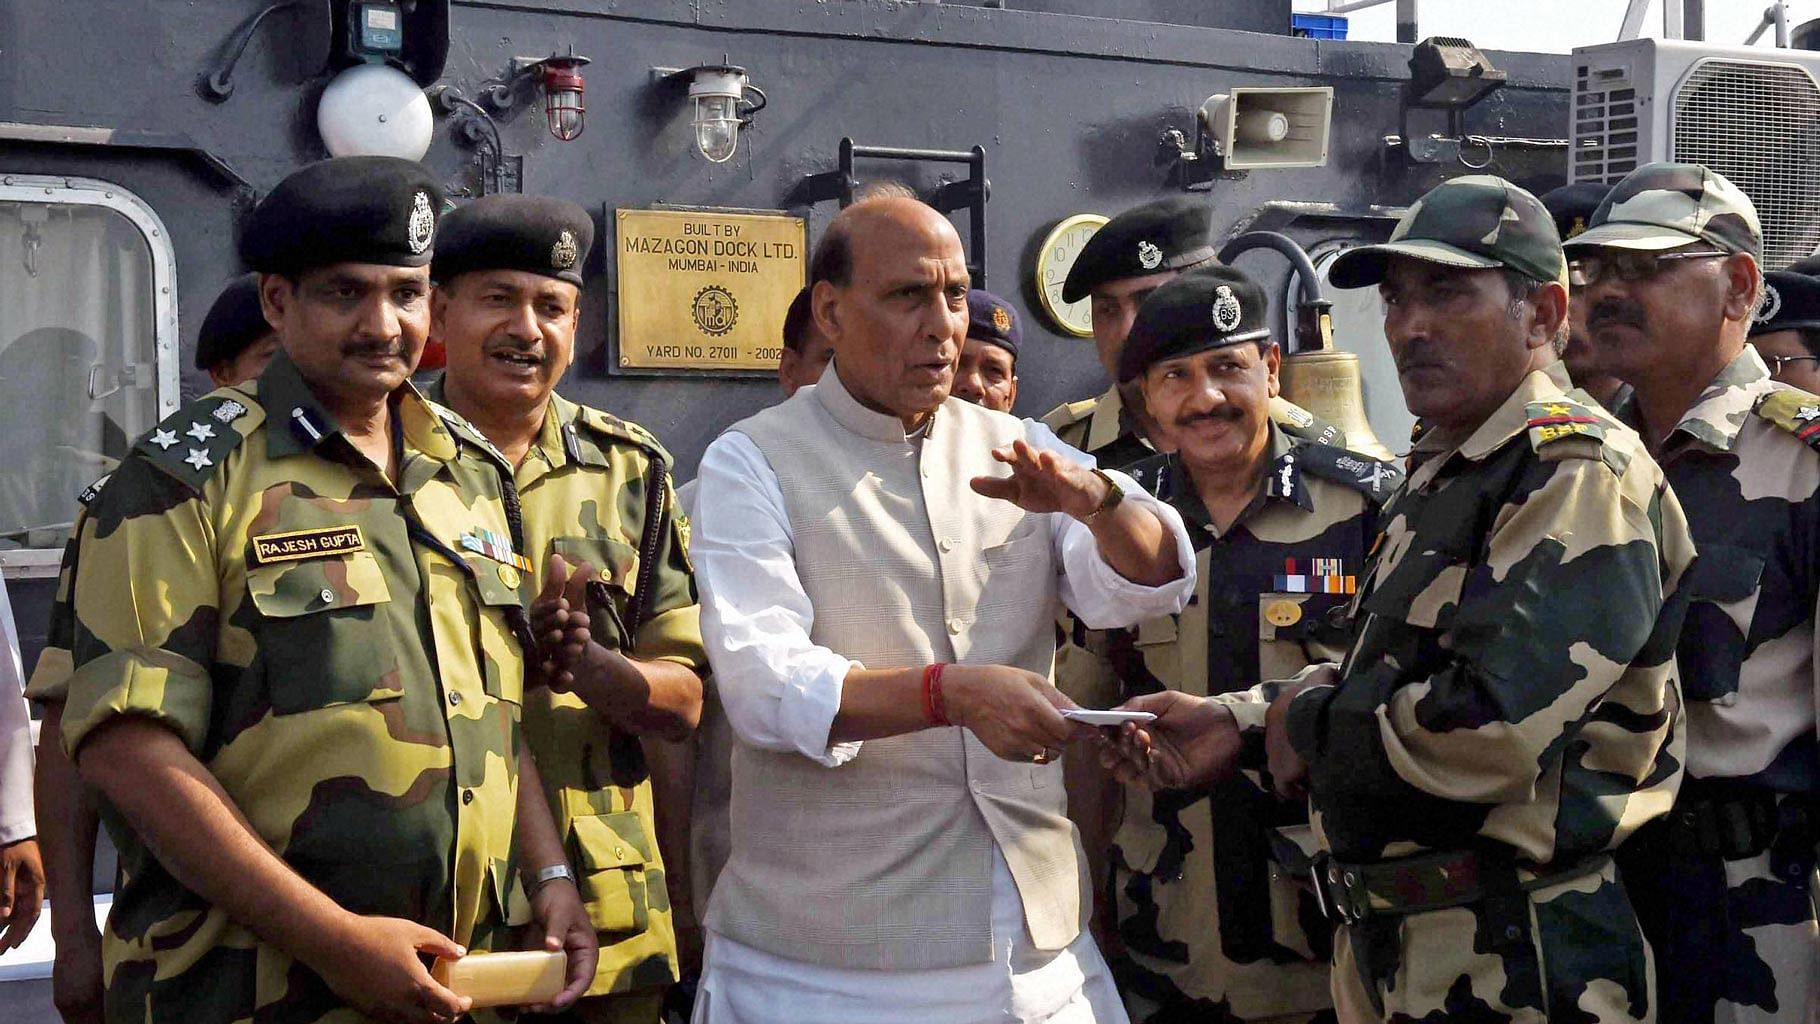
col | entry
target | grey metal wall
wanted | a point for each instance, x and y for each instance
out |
(1069, 109)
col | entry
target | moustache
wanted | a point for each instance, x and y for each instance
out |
(1609, 312)
(363, 349)
(1195, 419)
(1417, 355)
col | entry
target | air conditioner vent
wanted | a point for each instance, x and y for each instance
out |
(1605, 126)
(1759, 125)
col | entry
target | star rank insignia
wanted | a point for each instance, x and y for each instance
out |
(1808, 413)
(164, 439)
(199, 458)
(200, 431)
(229, 411)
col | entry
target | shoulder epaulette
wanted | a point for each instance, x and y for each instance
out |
(92, 491)
(1063, 416)
(1375, 479)
(1551, 423)
(1795, 411)
(612, 428)
(192, 443)
(460, 427)
(1152, 474)
(1303, 425)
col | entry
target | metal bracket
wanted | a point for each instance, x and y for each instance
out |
(971, 192)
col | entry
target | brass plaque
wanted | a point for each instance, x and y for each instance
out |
(706, 290)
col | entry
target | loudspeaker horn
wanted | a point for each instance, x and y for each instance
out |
(1262, 128)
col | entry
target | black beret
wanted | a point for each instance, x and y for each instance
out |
(1791, 302)
(1208, 308)
(535, 234)
(992, 320)
(234, 322)
(1572, 206)
(1169, 234)
(351, 209)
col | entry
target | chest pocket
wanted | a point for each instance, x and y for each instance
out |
(502, 662)
(612, 852)
(1715, 637)
(327, 613)
(1297, 629)
(617, 563)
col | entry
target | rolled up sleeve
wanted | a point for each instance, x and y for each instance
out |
(780, 690)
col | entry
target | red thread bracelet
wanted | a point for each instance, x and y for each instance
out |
(935, 711)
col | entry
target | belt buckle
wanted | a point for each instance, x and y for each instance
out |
(1325, 874)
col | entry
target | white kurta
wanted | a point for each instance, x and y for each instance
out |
(756, 619)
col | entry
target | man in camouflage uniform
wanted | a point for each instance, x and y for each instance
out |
(233, 346)
(1506, 712)
(596, 490)
(1212, 924)
(296, 688)
(1725, 884)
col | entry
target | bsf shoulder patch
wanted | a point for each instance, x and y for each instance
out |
(1795, 411)
(1550, 422)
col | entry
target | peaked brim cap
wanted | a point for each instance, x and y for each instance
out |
(1475, 222)
(1665, 206)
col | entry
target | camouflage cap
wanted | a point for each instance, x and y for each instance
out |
(1665, 206)
(1477, 222)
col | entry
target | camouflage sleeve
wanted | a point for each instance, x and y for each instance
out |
(50, 678)
(1568, 595)
(146, 608)
(671, 630)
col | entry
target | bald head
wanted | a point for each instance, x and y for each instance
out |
(833, 259)
(889, 286)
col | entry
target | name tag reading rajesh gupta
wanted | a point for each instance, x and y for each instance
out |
(301, 544)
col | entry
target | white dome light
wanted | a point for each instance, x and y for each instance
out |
(375, 110)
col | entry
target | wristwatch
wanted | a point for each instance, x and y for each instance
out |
(1114, 495)
(547, 875)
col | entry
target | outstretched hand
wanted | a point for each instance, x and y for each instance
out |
(1192, 743)
(1042, 481)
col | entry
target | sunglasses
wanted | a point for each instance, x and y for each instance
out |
(1627, 266)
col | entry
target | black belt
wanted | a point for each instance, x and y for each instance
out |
(1352, 893)
(1729, 820)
